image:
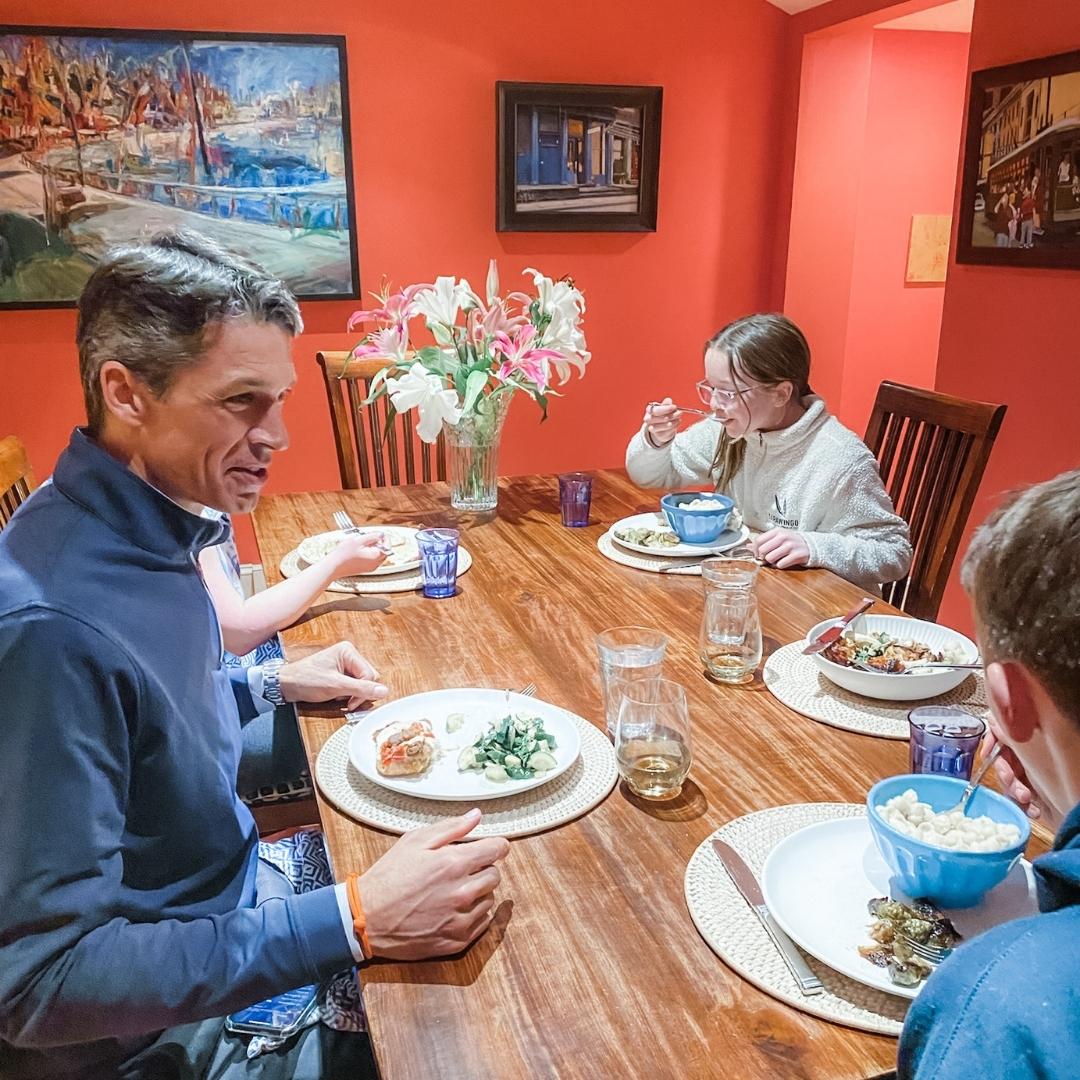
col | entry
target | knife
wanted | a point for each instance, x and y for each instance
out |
(831, 633)
(748, 885)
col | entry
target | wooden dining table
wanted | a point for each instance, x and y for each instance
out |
(592, 967)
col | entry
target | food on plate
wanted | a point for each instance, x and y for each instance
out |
(454, 722)
(400, 547)
(515, 748)
(702, 504)
(918, 921)
(404, 749)
(888, 654)
(654, 538)
(947, 829)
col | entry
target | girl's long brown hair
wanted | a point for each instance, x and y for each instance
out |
(770, 349)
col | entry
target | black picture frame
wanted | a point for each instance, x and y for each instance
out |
(1018, 146)
(606, 116)
(352, 290)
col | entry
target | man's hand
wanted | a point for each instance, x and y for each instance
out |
(1014, 781)
(428, 897)
(782, 548)
(337, 672)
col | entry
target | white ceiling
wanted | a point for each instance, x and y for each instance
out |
(954, 17)
(793, 7)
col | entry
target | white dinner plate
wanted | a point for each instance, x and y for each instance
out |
(405, 555)
(481, 707)
(727, 540)
(817, 883)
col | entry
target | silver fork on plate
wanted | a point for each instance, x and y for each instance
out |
(932, 954)
(344, 522)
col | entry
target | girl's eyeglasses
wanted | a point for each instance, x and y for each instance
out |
(710, 394)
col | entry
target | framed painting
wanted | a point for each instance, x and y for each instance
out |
(109, 135)
(1020, 194)
(577, 158)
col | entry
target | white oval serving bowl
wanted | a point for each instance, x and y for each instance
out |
(903, 687)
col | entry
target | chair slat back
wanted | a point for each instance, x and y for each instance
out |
(16, 479)
(367, 455)
(932, 451)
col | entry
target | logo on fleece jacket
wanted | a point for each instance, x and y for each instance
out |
(779, 514)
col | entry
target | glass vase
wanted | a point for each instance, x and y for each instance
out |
(472, 450)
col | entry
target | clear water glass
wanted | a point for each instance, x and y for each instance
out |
(438, 561)
(729, 572)
(575, 498)
(944, 740)
(626, 653)
(652, 738)
(730, 639)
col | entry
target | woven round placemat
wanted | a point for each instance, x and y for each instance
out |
(795, 680)
(406, 581)
(731, 929)
(586, 783)
(656, 564)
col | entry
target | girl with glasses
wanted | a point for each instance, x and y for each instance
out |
(803, 482)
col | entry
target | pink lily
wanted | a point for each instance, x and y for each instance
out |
(520, 356)
(391, 342)
(397, 308)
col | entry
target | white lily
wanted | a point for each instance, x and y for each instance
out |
(421, 389)
(557, 297)
(441, 303)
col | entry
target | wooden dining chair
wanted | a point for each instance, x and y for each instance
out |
(367, 456)
(932, 450)
(16, 479)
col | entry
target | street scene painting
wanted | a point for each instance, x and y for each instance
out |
(1021, 194)
(109, 136)
(577, 157)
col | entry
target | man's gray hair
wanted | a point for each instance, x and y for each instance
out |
(153, 307)
(1022, 571)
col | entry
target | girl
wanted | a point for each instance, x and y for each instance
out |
(273, 765)
(799, 477)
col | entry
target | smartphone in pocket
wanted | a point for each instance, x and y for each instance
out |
(279, 1016)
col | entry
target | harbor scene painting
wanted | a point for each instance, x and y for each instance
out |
(107, 136)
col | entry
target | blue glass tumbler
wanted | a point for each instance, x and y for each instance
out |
(575, 498)
(438, 561)
(944, 739)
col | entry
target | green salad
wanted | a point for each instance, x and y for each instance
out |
(515, 748)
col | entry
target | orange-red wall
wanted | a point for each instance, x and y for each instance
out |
(879, 130)
(918, 82)
(422, 89)
(1011, 335)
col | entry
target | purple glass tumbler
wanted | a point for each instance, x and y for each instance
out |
(575, 498)
(438, 561)
(944, 740)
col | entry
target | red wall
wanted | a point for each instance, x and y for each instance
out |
(879, 130)
(1011, 335)
(422, 92)
(918, 82)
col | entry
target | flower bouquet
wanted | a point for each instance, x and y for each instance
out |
(481, 353)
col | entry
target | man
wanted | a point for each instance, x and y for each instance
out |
(1006, 1005)
(131, 896)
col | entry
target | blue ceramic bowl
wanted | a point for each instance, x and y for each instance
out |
(948, 878)
(696, 526)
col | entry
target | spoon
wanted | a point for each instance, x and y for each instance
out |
(962, 805)
(686, 408)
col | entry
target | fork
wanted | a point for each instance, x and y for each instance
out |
(932, 954)
(696, 412)
(344, 522)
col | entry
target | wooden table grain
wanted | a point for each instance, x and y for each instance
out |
(593, 968)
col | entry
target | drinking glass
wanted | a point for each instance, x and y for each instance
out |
(730, 640)
(944, 739)
(575, 497)
(729, 572)
(626, 652)
(652, 738)
(438, 561)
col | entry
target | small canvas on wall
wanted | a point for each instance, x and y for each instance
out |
(109, 135)
(1020, 201)
(928, 251)
(577, 158)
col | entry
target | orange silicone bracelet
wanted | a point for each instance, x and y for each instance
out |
(356, 908)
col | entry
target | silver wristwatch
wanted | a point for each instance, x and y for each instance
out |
(271, 688)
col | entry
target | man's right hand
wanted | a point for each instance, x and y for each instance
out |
(428, 896)
(1014, 781)
(662, 422)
